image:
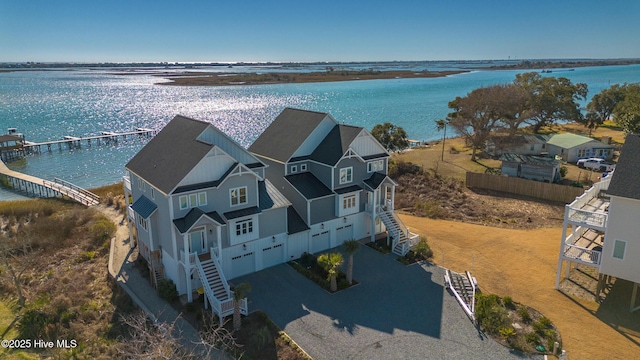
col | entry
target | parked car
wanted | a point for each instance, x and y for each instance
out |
(596, 164)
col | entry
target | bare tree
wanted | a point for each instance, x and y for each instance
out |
(16, 254)
(150, 340)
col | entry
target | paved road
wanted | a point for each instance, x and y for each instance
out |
(396, 312)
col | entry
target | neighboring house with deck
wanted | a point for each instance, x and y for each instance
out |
(531, 167)
(203, 209)
(601, 226)
(528, 144)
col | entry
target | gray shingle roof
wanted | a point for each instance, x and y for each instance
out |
(144, 207)
(286, 133)
(348, 189)
(308, 185)
(335, 144)
(242, 212)
(171, 154)
(184, 224)
(295, 224)
(626, 178)
(375, 180)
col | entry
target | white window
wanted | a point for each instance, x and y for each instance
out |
(346, 175)
(303, 167)
(184, 202)
(143, 222)
(141, 185)
(153, 194)
(582, 153)
(349, 202)
(618, 249)
(294, 169)
(202, 199)
(193, 200)
(376, 165)
(244, 227)
(238, 196)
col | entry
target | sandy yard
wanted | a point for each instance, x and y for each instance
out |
(522, 264)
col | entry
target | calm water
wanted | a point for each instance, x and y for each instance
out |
(46, 105)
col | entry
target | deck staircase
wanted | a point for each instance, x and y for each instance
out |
(156, 269)
(403, 239)
(463, 287)
(216, 287)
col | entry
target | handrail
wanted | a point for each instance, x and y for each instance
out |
(77, 188)
(216, 261)
(583, 250)
(473, 287)
(215, 302)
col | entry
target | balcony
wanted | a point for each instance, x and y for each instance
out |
(584, 245)
(127, 183)
(591, 208)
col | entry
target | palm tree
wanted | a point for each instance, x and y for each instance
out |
(330, 262)
(350, 246)
(239, 292)
(442, 124)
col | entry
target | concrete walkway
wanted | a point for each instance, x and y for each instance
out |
(121, 268)
(395, 312)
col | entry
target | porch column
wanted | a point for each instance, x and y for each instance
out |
(187, 267)
(561, 256)
(373, 217)
(219, 243)
(393, 198)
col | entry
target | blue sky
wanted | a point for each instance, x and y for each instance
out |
(284, 30)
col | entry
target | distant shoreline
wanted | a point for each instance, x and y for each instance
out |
(230, 79)
(542, 64)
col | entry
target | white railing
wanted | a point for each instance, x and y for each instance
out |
(216, 261)
(192, 257)
(591, 193)
(586, 217)
(132, 214)
(221, 307)
(127, 182)
(583, 254)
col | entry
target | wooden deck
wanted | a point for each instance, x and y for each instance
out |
(35, 186)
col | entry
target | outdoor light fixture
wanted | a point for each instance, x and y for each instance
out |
(345, 219)
(322, 226)
(273, 239)
(244, 247)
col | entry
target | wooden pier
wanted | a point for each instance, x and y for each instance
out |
(34, 186)
(76, 142)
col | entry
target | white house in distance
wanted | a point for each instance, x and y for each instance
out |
(602, 226)
(202, 209)
(572, 147)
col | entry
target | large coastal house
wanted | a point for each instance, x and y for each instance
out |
(601, 226)
(204, 210)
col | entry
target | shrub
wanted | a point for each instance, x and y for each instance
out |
(563, 171)
(507, 332)
(490, 314)
(508, 302)
(167, 290)
(422, 249)
(102, 230)
(532, 338)
(524, 315)
(544, 321)
(538, 327)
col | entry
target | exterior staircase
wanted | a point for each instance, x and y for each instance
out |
(216, 288)
(156, 269)
(403, 239)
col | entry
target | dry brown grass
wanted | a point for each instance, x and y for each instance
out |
(522, 264)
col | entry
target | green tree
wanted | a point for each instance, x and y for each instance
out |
(627, 112)
(239, 292)
(601, 106)
(551, 99)
(475, 116)
(350, 246)
(442, 125)
(390, 136)
(330, 263)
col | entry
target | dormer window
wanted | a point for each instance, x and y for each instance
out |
(303, 167)
(376, 165)
(346, 175)
(294, 169)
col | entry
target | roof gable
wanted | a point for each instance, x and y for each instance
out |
(335, 144)
(626, 178)
(287, 133)
(163, 167)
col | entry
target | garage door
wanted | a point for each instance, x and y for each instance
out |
(272, 255)
(243, 264)
(319, 242)
(344, 233)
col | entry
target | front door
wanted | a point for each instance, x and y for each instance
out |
(196, 242)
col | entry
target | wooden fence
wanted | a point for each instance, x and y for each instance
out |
(514, 185)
